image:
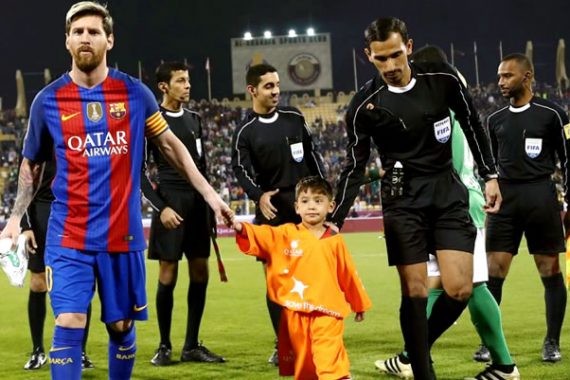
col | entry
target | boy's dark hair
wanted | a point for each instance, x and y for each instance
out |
(254, 73)
(429, 53)
(380, 30)
(164, 70)
(314, 183)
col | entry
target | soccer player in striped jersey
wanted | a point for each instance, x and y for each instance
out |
(34, 228)
(94, 119)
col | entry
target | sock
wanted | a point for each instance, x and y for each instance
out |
(122, 351)
(433, 295)
(486, 317)
(495, 286)
(414, 326)
(274, 313)
(65, 353)
(86, 335)
(555, 299)
(37, 317)
(164, 304)
(196, 302)
(445, 311)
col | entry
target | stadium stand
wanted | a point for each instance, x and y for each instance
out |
(324, 116)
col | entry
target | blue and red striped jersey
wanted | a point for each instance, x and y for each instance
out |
(97, 136)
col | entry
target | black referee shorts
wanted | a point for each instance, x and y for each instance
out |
(284, 202)
(433, 214)
(191, 238)
(38, 212)
(529, 208)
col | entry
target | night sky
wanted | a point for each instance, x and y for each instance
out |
(32, 34)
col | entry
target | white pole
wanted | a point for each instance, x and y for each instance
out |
(501, 50)
(354, 69)
(476, 63)
(209, 79)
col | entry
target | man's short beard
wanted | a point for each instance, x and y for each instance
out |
(89, 64)
(515, 92)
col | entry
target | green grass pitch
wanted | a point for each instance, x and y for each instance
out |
(237, 326)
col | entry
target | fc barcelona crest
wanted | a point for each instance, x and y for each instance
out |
(94, 111)
(117, 110)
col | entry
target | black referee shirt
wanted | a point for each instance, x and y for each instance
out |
(527, 139)
(273, 151)
(412, 125)
(187, 126)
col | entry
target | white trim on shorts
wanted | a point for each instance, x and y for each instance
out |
(480, 268)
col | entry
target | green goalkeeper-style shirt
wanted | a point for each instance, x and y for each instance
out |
(463, 163)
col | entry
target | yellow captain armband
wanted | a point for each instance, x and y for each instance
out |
(155, 125)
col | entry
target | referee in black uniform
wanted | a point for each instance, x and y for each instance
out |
(34, 228)
(527, 137)
(272, 150)
(405, 112)
(181, 223)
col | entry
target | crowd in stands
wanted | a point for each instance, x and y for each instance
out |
(11, 132)
(220, 121)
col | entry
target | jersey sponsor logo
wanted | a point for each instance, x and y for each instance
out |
(532, 147)
(139, 308)
(117, 110)
(297, 151)
(99, 144)
(69, 117)
(442, 130)
(294, 251)
(94, 111)
(309, 307)
(567, 131)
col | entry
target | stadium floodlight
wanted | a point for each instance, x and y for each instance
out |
(292, 33)
(267, 34)
(247, 36)
(310, 31)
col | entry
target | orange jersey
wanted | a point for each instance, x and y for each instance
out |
(304, 273)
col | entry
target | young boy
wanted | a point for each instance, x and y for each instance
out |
(311, 274)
